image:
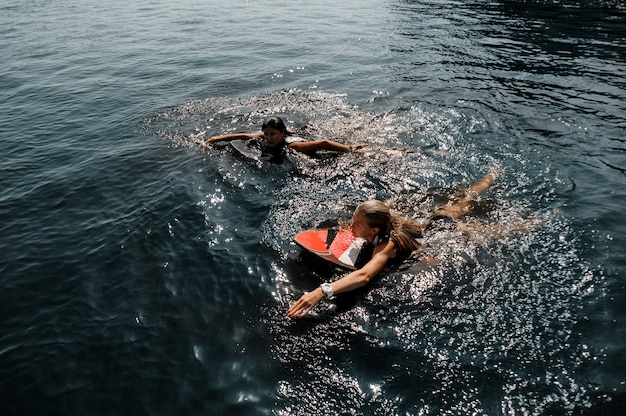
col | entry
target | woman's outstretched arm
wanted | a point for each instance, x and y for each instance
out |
(306, 147)
(351, 281)
(229, 137)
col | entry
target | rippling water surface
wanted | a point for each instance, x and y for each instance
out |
(141, 274)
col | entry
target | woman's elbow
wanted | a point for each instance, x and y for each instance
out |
(363, 278)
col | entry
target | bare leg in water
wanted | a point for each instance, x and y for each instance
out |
(468, 204)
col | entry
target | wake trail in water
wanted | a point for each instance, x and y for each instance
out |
(498, 312)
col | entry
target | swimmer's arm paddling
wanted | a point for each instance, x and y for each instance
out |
(232, 136)
(308, 147)
(351, 281)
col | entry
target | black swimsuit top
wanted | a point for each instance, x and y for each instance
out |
(276, 154)
(367, 251)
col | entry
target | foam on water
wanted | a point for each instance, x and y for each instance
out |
(490, 328)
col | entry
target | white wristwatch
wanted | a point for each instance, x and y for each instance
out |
(327, 289)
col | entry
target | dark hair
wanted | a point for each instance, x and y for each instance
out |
(275, 123)
(402, 231)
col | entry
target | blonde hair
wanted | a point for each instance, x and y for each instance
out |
(402, 231)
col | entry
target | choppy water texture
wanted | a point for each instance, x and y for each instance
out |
(141, 274)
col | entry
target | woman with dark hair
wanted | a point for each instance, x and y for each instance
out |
(277, 138)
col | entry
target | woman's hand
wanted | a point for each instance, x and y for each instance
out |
(306, 302)
(357, 146)
(209, 141)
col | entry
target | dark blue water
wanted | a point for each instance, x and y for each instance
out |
(141, 275)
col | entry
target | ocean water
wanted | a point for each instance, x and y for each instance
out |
(143, 275)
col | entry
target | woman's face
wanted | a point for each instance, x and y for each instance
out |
(360, 227)
(273, 137)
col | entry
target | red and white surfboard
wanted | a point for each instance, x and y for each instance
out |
(336, 246)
